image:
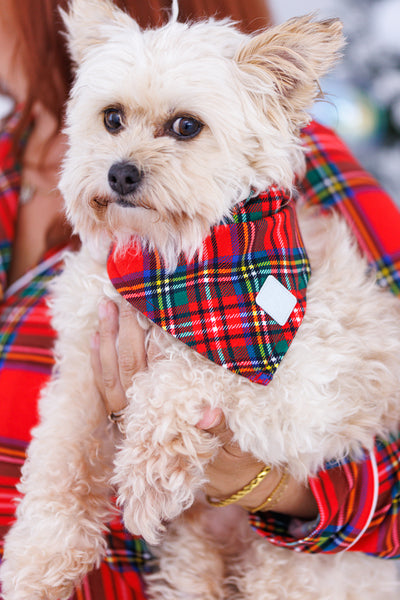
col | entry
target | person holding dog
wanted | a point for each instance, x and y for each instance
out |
(36, 72)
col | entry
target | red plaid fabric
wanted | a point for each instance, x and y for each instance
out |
(26, 360)
(9, 186)
(359, 506)
(210, 303)
(335, 180)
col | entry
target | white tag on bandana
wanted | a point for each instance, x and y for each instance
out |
(276, 300)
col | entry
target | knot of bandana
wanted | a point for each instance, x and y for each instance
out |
(210, 304)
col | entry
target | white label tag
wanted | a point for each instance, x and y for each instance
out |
(276, 300)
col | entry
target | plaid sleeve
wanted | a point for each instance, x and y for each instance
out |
(334, 179)
(359, 502)
(359, 508)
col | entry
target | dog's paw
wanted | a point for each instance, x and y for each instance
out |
(148, 518)
(38, 578)
(47, 567)
(155, 486)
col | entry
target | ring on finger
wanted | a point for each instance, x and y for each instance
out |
(117, 418)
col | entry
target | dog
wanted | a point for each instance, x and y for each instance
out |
(201, 116)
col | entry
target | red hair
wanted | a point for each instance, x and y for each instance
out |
(42, 47)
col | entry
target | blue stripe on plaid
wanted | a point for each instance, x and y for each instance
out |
(126, 552)
(388, 272)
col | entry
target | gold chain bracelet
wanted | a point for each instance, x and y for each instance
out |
(275, 495)
(243, 491)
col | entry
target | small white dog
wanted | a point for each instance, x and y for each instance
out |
(205, 116)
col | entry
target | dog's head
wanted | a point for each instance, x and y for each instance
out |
(169, 128)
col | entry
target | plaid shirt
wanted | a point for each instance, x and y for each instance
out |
(359, 507)
(340, 182)
(334, 179)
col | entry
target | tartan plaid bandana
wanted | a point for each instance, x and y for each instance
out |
(241, 300)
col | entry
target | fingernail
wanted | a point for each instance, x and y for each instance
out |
(211, 418)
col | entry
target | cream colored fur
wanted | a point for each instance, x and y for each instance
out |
(336, 389)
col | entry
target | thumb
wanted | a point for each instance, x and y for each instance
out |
(212, 420)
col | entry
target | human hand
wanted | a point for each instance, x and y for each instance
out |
(117, 353)
(232, 469)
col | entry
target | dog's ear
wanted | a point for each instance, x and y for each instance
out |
(87, 23)
(285, 62)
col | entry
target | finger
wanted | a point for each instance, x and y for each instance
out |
(114, 395)
(153, 351)
(131, 345)
(214, 422)
(212, 419)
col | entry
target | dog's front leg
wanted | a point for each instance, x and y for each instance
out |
(58, 534)
(160, 465)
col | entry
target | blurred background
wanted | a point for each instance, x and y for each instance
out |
(363, 93)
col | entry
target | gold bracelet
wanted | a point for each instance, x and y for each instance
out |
(242, 492)
(276, 493)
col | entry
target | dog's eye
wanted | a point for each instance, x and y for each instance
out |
(186, 127)
(113, 120)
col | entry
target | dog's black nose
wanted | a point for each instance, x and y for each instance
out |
(124, 178)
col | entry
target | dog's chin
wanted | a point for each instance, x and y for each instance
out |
(124, 203)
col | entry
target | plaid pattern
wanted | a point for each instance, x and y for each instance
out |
(19, 327)
(118, 576)
(210, 303)
(359, 504)
(26, 338)
(334, 179)
(9, 187)
(26, 360)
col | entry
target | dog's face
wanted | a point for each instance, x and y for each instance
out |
(170, 128)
